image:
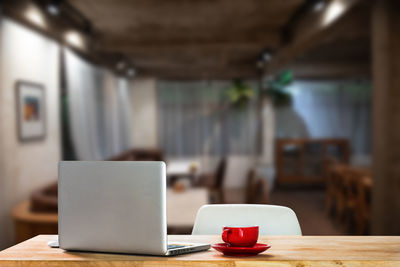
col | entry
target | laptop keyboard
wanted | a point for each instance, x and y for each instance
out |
(175, 246)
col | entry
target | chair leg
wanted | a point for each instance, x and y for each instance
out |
(217, 196)
(339, 209)
(329, 205)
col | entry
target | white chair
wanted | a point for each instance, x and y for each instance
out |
(272, 220)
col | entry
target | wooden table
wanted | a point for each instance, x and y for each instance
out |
(28, 224)
(177, 169)
(182, 207)
(285, 251)
(181, 167)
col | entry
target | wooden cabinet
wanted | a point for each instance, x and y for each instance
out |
(304, 161)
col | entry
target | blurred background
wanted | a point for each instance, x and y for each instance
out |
(292, 103)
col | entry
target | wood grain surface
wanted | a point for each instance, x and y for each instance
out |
(285, 251)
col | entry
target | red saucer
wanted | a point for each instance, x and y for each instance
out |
(240, 251)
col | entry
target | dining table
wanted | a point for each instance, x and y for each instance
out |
(285, 251)
(181, 169)
(182, 207)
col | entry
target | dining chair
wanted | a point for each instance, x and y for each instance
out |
(272, 220)
(334, 181)
(355, 201)
(257, 189)
(363, 212)
(214, 182)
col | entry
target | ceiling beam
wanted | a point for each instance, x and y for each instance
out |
(127, 44)
(192, 73)
(331, 70)
(312, 29)
(248, 47)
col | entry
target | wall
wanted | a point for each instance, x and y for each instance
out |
(24, 167)
(144, 113)
(385, 215)
(268, 132)
(125, 112)
(265, 166)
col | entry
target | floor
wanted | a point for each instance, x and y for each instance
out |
(309, 206)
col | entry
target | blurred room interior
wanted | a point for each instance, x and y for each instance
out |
(291, 102)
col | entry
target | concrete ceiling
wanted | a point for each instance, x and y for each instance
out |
(346, 53)
(211, 39)
(184, 39)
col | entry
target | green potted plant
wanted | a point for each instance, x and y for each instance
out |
(239, 94)
(275, 88)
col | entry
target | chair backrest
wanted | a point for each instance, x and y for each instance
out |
(220, 173)
(272, 220)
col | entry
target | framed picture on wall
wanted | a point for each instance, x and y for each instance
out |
(31, 117)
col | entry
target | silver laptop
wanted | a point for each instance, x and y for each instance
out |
(115, 206)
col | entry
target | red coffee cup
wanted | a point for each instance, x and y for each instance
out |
(240, 236)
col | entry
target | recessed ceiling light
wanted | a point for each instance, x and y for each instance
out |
(35, 16)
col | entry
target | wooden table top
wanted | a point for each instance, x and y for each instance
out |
(181, 167)
(285, 251)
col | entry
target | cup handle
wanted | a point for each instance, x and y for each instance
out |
(225, 234)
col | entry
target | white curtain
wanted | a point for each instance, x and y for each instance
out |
(99, 109)
(194, 120)
(124, 113)
(329, 109)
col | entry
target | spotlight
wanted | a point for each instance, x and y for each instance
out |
(35, 16)
(319, 5)
(266, 56)
(260, 64)
(53, 8)
(131, 72)
(121, 65)
(74, 39)
(333, 11)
